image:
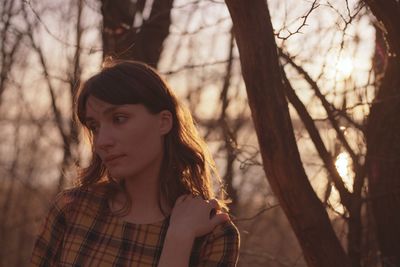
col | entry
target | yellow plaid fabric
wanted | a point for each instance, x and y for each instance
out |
(80, 230)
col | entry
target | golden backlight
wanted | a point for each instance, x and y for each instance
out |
(345, 66)
(343, 165)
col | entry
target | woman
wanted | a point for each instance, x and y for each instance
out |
(146, 198)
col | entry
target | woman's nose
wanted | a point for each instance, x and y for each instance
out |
(104, 139)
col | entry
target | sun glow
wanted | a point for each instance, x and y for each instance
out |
(343, 165)
(345, 66)
(341, 67)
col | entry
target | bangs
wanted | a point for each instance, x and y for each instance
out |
(112, 87)
(114, 90)
(125, 83)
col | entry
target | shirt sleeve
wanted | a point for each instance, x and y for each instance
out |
(47, 248)
(221, 248)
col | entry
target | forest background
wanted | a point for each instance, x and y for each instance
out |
(297, 100)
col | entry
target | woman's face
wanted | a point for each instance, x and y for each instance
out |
(128, 138)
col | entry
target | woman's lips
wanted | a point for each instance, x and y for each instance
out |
(112, 158)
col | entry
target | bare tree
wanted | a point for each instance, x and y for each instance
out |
(383, 138)
(10, 41)
(350, 200)
(131, 34)
(262, 75)
(201, 61)
(35, 140)
(69, 134)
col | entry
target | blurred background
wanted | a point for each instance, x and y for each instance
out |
(333, 53)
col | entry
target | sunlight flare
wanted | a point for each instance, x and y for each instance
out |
(343, 165)
(345, 66)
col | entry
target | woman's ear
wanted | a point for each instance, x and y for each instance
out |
(166, 121)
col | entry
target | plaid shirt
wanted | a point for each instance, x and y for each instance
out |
(80, 231)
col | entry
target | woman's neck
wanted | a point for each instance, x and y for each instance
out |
(144, 194)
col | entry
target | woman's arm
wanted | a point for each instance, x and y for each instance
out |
(191, 217)
(176, 250)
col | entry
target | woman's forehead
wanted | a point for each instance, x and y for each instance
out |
(95, 105)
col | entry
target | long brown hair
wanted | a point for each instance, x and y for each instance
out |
(187, 166)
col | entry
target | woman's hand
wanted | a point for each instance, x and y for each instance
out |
(193, 216)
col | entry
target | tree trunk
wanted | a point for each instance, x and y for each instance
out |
(124, 40)
(280, 155)
(383, 138)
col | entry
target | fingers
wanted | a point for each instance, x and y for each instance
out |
(213, 212)
(216, 215)
(219, 218)
(196, 215)
(214, 204)
(211, 206)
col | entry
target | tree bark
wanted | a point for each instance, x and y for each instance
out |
(265, 88)
(383, 138)
(123, 40)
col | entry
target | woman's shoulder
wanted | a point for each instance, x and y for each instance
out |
(88, 196)
(225, 230)
(220, 247)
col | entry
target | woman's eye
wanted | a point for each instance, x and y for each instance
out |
(119, 118)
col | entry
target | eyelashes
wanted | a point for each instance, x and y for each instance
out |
(119, 118)
(116, 119)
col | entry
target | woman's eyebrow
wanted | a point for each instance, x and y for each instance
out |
(110, 109)
(105, 112)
